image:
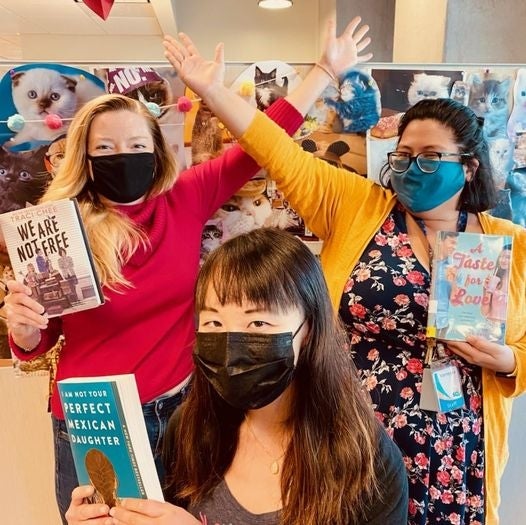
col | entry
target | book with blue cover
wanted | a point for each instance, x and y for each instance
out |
(469, 286)
(108, 438)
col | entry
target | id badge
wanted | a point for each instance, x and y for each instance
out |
(428, 397)
(441, 388)
(448, 387)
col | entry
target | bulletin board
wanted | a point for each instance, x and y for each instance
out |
(353, 125)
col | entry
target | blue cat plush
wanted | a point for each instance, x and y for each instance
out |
(358, 104)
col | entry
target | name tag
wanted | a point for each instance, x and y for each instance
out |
(441, 388)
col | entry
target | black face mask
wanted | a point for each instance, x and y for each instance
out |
(247, 370)
(124, 177)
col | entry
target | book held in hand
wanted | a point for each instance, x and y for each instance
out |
(108, 438)
(469, 286)
(49, 253)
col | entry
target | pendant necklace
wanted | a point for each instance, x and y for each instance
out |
(274, 466)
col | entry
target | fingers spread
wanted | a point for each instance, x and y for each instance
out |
(361, 33)
(188, 44)
(363, 44)
(352, 25)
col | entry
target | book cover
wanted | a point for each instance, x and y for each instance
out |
(108, 437)
(49, 252)
(469, 286)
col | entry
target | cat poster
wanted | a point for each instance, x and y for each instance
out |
(402, 88)
(35, 91)
(203, 132)
(264, 82)
(257, 204)
(516, 127)
(158, 85)
(30, 156)
(490, 98)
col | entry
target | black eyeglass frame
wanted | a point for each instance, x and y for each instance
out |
(421, 155)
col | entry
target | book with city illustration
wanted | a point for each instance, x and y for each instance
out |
(469, 286)
(108, 437)
(49, 252)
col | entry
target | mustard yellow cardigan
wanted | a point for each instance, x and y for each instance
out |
(345, 211)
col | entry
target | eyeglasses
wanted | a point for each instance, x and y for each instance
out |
(427, 161)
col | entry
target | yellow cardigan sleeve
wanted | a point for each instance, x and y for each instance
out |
(516, 319)
(325, 196)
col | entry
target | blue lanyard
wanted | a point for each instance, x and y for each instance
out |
(462, 222)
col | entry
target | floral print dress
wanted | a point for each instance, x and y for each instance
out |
(384, 308)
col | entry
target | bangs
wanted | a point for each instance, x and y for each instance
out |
(251, 276)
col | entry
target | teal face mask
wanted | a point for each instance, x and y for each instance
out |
(419, 191)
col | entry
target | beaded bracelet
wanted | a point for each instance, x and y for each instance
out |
(29, 350)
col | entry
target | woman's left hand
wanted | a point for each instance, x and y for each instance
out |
(343, 52)
(479, 351)
(133, 511)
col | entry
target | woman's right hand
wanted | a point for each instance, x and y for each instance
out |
(24, 315)
(197, 73)
(80, 512)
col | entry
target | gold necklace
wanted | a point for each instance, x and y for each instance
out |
(274, 466)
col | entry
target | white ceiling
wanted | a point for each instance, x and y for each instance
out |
(68, 31)
(68, 17)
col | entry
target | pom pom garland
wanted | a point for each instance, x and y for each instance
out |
(153, 108)
(184, 104)
(247, 88)
(53, 121)
(16, 122)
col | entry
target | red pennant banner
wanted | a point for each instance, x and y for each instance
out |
(100, 7)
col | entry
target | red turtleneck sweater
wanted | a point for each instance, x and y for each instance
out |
(149, 330)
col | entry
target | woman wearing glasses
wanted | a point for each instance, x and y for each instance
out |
(376, 260)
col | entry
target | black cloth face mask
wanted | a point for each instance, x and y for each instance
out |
(123, 177)
(247, 370)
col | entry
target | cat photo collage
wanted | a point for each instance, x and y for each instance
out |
(353, 124)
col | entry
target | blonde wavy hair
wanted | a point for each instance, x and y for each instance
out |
(113, 237)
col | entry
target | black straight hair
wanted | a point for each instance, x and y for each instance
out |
(480, 193)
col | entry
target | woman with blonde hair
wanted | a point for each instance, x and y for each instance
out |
(144, 224)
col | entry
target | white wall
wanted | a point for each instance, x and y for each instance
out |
(251, 33)
(513, 485)
(379, 15)
(486, 31)
(87, 48)
(419, 31)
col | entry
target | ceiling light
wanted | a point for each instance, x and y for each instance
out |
(275, 4)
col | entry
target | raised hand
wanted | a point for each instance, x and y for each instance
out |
(344, 52)
(196, 72)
